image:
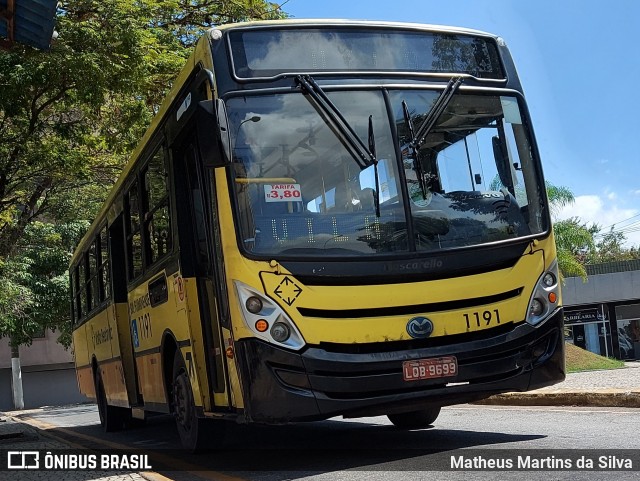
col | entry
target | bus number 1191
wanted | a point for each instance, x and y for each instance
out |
(486, 318)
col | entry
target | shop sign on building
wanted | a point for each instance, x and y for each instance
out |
(581, 317)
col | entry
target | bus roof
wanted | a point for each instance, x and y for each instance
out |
(320, 22)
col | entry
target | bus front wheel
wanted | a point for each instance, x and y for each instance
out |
(196, 433)
(415, 419)
(112, 418)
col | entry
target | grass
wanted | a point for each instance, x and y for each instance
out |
(580, 360)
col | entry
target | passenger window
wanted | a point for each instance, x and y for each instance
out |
(74, 291)
(92, 284)
(103, 269)
(157, 221)
(197, 201)
(134, 240)
(82, 286)
(77, 303)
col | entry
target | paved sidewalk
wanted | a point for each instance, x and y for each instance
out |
(605, 388)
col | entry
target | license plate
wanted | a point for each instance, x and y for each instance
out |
(433, 368)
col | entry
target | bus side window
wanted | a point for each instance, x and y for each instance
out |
(76, 293)
(117, 266)
(73, 278)
(82, 285)
(133, 232)
(197, 201)
(157, 221)
(92, 284)
(191, 210)
(103, 266)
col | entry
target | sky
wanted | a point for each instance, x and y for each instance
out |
(579, 63)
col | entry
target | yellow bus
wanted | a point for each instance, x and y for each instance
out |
(325, 218)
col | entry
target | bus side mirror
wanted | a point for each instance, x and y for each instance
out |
(223, 127)
(211, 122)
(502, 163)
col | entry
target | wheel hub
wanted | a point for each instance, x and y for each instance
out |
(181, 405)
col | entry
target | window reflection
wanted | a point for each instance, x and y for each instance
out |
(267, 52)
(480, 183)
(300, 191)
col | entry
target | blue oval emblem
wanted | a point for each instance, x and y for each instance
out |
(419, 327)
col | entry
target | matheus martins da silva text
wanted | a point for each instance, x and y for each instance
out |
(609, 462)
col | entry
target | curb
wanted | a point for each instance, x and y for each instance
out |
(609, 398)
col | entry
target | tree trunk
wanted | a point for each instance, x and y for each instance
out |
(18, 397)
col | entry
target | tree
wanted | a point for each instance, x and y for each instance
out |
(34, 289)
(574, 240)
(34, 285)
(611, 248)
(69, 119)
(559, 197)
(574, 244)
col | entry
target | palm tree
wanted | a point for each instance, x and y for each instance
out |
(574, 241)
(559, 197)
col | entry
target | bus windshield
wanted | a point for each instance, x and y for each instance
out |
(300, 193)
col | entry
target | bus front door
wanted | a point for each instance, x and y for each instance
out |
(198, 260)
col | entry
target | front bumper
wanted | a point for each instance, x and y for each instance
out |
(365, 380)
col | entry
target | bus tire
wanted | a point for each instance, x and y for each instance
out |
(415, 419)
(196, 433)
(112, 418)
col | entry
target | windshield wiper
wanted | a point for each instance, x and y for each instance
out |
(364, 156)
(339, 125)
(416, 139)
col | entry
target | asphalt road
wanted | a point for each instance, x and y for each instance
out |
(373, 449)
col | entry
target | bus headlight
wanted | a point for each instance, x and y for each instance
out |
(257, 309)
(536, 308)
(545, 297)
(280, 332)
(253, 305)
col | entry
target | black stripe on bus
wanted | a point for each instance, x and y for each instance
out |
(146, 352)
(157, 407)
(407, 310)
(107, 361)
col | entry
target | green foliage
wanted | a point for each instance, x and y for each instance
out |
(53, 138)
(559, 197)
(69, 119)
(611, 248)
(574, 243)
(186, 20)
(579, 360)
(34, 284)
(573, 239)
